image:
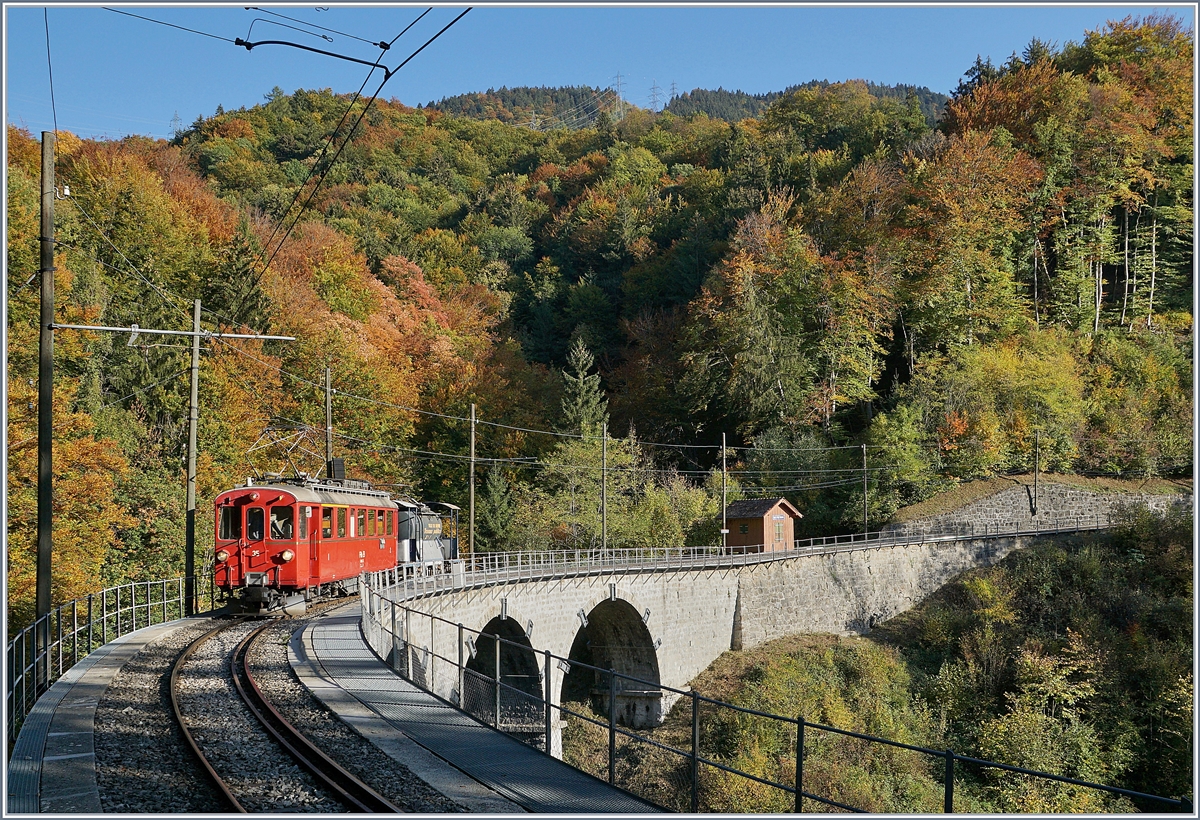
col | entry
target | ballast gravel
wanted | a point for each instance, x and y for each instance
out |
(269, 665)
(142, 761)
(143, 764)
(262, 777)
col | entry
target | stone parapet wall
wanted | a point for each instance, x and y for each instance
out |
(1056, 503)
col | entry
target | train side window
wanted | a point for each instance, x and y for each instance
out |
(305, 513)
(327, 523)
(353, 531)
(341, 532)
(231, 523)
(362, 523)
(282, 523)
(389, 522)
(370, 522)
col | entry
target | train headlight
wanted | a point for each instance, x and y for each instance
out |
(222, 556)
(287, 555)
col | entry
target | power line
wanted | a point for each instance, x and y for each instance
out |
(162, 294)
(171, 25)
(105, 405)
(50, 68)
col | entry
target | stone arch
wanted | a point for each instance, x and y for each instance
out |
(521, 698)
(616, 638)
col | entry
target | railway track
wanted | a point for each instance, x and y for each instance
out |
(340, 786)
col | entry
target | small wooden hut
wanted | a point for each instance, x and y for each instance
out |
(761, 525)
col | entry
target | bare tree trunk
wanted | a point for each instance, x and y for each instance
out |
(1125, 301)
(1097, 268)
(1037, 320)
(1153, 261)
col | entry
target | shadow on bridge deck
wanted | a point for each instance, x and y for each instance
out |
(334, 661)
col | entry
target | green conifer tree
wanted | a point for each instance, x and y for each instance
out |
(585, 409)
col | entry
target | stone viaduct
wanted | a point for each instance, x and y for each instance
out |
(667, 625)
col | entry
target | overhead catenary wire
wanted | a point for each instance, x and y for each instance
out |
(321, 156)
(389, 73)
(381, 44)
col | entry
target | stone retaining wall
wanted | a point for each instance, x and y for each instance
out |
(1055, 502)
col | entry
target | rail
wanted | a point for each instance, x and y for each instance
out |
(468, 666)
(488, 569)
(39, 654)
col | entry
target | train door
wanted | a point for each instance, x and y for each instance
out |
(310, 530)
(256, 563)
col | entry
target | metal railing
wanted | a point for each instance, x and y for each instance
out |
(489, 568)
(447, 660)
(40, 653)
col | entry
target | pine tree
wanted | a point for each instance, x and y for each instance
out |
(496, 510)
(584, 406)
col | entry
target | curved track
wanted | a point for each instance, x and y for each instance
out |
(344, 787)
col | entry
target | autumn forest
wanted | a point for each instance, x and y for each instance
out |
(840, 269)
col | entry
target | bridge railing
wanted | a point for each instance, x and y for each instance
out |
(507, 684)
(489, 568)
(39, 654)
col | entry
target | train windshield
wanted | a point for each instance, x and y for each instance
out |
(230, 527)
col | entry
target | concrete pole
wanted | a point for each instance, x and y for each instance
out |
(471, 497)
(328, 426)
(604, 491)
(189, 549)
(45, 486)
(724, 504)
(864, 448)
(1037, 466)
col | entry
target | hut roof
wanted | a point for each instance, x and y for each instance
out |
(758, 507)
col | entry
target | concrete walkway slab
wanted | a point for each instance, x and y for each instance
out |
(344, 671)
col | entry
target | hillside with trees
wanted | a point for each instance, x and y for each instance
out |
(539, 108)
(830, 273)
(734, 106)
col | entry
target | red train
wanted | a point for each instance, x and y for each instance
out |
(282, 541)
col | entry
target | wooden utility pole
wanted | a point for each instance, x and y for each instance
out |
(189, 550)
(45, 485)
(471, 496)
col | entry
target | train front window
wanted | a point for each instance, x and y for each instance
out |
(281, 523)
(305, 513)
(231, 523)
(389, 522)
(362, 523)
(327, 523)
(254, 523)
(341, 522)
(370, 522)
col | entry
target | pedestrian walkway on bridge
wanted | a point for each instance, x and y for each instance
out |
(334, 661)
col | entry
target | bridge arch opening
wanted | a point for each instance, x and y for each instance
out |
(616, 638)
(521, 705)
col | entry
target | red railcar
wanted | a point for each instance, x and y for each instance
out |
(283, 541)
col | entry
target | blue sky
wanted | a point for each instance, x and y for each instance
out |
(116, 75)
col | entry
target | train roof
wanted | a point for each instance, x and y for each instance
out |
(326, 491)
